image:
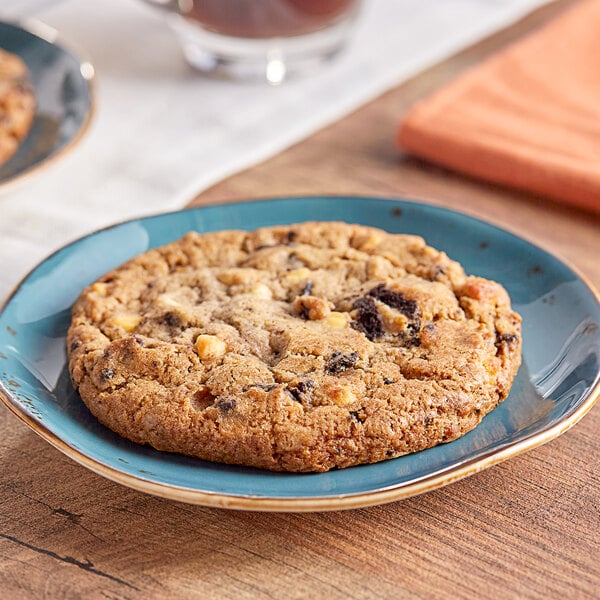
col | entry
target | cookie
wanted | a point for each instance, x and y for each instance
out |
(293, 348)
(17, 104)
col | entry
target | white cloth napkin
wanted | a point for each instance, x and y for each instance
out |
(162, 132)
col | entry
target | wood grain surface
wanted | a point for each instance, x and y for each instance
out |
(527, 528)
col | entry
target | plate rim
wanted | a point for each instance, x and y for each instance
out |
(55, 38)
(309, 503)
(451, 474)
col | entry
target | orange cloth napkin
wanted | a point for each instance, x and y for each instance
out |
(529, 117)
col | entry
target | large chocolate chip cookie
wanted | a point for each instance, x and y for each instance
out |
(296, 348)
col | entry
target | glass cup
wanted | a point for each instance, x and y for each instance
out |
(260, 39)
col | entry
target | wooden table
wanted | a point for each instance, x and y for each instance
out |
(527, 528)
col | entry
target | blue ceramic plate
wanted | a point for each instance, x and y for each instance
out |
(557, 384)
(63, 90)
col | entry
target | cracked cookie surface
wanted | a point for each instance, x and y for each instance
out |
(297, 348)
(17, 104)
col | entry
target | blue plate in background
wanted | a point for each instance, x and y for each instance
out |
(63, 91)
(557, 384)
